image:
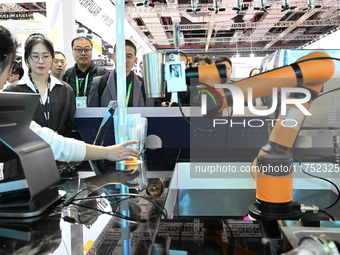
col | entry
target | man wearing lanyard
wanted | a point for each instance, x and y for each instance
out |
(81, 74)
(104, 88)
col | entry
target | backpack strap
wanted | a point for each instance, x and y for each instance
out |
(102, 84)
(143, 88)
(67, 75)
(100, 70)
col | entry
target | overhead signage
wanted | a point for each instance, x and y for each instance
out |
(99, 16)
(16, 15)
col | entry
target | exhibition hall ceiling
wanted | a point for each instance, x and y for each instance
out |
(225, 26)
(237, 26)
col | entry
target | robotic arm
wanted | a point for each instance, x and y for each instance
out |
(299, 82)
(274, 188)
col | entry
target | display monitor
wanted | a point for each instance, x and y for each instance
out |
(15, 108)
(30, 174)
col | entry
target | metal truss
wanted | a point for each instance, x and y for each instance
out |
(330, 21)
(226, 40)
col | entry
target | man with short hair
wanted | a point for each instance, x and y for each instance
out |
(80, 76)
(104, 88)
(202, 59)
(16, 74)
(58, 65)
(228, 66)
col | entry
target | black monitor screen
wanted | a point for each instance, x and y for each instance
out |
(17, 107)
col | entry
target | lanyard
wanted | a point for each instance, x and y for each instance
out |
(46, 110)
(86, 82)
(128, 93)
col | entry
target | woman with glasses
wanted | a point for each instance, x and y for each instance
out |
(68, 149)
(57, 103)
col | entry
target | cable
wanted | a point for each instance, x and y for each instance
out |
(111, 213)
(73, 198)
(232, 239)
(327, 92)
(214, 91)
(180, 235)
(116, 214)
(321, 178)
(327, 213)
(162, 210)
(194, 126)
(319, 58)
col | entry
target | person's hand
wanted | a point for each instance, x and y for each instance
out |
(121, 177)
(166, 104)
(120, 152)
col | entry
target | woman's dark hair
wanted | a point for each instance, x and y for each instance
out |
(8, 47)
(34, 39)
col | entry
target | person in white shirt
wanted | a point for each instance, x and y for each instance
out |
(64, 149)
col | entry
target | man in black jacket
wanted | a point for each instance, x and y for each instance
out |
(80, 76)
(104, 88)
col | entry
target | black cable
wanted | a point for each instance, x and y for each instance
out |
(99, 140)
(232, 239)
(111, 213)
(192, 125)
(329, 91)
(327, 213)
(180, 236)
(162, 210)
(79, 212)
(73, 198)
(321, 178)
(319, 58)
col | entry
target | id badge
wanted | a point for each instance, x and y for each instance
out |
(81, 102)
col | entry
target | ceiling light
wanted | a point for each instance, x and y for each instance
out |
(145, 3)
(287, 6)
(216, 9)
(240, 6)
